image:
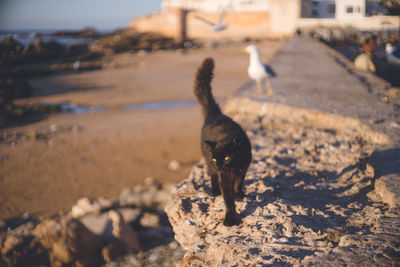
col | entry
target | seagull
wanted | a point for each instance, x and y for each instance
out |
(219, 26)
(258, 71)
(389, 49)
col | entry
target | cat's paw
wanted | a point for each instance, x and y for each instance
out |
(232, 220)
(215, 192)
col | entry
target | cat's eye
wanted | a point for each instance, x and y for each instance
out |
(227, 158)
(214, 160)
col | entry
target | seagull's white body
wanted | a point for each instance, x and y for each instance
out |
(389, 49)
(257, 70)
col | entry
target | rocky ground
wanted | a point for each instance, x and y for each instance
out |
(310, 199)
(130, 229)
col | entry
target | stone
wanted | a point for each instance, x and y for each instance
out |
(129, 214)
(151, 194)
(84, 206)
(122, 231)
(2, 224)
(99, 225)
(174, 165)
(68, 242)
(18, 248)
(114, 249)
(150, 220)
(95, 230)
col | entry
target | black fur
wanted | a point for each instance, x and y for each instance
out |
(225, 146)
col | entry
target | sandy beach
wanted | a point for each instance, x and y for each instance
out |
(97, 154)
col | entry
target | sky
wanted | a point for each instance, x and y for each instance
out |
(72, 14)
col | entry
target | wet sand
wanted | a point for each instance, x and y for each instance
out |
(115, 148)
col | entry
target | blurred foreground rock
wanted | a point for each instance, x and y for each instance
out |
(312, 196)
(97, 231)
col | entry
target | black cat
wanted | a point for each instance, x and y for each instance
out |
(225, 146)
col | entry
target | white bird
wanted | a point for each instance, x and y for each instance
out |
(389, 49)
(218, 26)
(259, 71)
(77, 65)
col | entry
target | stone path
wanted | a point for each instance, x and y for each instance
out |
(314, 76)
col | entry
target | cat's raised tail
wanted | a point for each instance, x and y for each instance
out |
(202, 88)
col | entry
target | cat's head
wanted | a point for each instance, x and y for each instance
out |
(223, 153)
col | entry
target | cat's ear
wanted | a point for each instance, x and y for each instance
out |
(211, 143)
(236, 139)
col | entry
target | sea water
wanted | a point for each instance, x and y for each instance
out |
(27, 37)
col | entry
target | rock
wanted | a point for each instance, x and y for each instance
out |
(305, 203)
(114, 249)
(2, 223)
(150, 220)
(129, 214)
(164, 255)
(99, 225)
(95, 230)
(151, 194)
(53, 128)
(122, 231)
(75, 128)
(174, 165)
(69, 242)
(18, 248)
(84, 206)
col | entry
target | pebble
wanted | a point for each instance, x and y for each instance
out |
(174, 165)
(84, 206)
(150, 220)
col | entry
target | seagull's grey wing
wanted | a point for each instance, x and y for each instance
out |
(269, 70)
(219, 27)
(221, 16)
(205, 21)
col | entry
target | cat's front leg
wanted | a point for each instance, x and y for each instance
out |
(215, 189)
(239, 179)
(228, 192)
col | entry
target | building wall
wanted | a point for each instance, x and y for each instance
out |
(240, 25)
(350, 9)
(218, 5)
(256, 18)
(166, 23)
(284, 17)
(372, 23)
(306, 7)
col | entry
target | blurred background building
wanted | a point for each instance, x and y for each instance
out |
(364, 15)
(262, 18)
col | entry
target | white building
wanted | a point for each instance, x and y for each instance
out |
(350, 9)
(340, 9)
(243, 18)
(261, 18)
(365, 15)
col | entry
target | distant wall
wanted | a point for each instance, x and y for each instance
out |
(218, 5)
(280, 21)
(284, 17)
(373, 23)
(240, 25)
(166, 23)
